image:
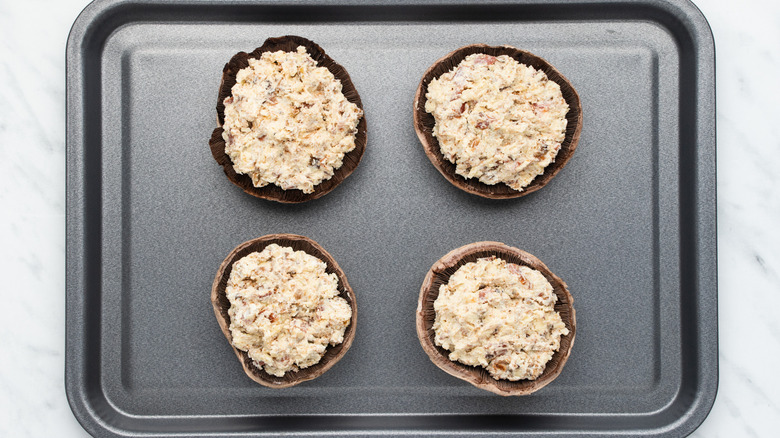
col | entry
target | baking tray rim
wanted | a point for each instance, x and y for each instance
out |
(95, 412)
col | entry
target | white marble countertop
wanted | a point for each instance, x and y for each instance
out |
(32, 204)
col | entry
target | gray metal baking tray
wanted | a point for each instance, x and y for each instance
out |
(629, 224)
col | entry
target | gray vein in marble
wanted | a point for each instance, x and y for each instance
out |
(737, 416)
(746, 380)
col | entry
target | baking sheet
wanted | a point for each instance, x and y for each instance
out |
(629, 224)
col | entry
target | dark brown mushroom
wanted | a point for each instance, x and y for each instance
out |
(272, 192)
(221, 305)
(424, 122)
(440, 273)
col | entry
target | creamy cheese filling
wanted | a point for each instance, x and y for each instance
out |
(287, 122)
(497, 120)
(499, 316)
(285, 309)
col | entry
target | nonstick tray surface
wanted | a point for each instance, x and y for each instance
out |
(629, 223)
